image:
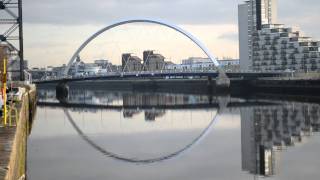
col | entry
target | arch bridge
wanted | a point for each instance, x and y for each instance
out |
(221, 79)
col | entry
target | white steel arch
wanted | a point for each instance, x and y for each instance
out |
(176, 28)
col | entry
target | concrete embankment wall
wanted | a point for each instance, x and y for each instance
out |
(17, 163)
(287, 86)
(166, 85)
(237, 86)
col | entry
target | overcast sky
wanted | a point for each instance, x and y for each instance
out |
(55, 28)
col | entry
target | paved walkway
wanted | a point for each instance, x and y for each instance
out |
(6, 141)
(7, 134)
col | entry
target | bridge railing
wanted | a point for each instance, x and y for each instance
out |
(169, 72)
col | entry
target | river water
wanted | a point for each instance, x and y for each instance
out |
(122, 135)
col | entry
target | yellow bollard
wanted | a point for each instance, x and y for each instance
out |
(4, 90)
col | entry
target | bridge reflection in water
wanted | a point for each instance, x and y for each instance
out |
(267, 127)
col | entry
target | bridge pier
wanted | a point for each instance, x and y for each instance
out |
(62, 91)
(222, 81)
(221, 84)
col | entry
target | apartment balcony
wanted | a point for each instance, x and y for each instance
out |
(255, 34)
(274, 58)
(304, 61)
(266, 57)
(293, 39)
(291, 56)
(314, 67)
(284, 34)
(287, 30)
(268, 38)
(314, 55)
(256, 64)
(274, 48)
(303, 43)
(273, 63)
(313, 61)
(283, 52)
(305, 51)
(314, 49)
(303, 67)
(256, 39)
(275, 30)
(255, 44)
(291, 46)
(266, 53)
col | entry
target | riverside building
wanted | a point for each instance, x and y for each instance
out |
(268, 46)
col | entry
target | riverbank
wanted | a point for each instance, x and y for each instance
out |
(13, 136)
(280, 86)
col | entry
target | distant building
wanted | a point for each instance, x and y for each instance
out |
(102, 63)
(230, 65)
(204, 64)
(91, 68)
(192, 63)
(58, 71)
(152, 61)
(38, 73)
(131, 63)
(14, 69)
(129, 113)
(151, 115)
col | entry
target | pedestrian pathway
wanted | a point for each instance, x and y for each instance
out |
(6, 142)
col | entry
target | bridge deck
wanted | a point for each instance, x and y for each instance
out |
(164, 75)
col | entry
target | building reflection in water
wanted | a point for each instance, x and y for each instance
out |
(149, 115)
(131, 102)
(267, 130)
(126, 98)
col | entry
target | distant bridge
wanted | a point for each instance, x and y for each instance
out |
(161, 75)
(220, 75)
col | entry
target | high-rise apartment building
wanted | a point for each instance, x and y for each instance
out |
(251, 16)
(267, 46)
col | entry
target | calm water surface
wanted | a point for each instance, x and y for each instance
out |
(157, 136)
